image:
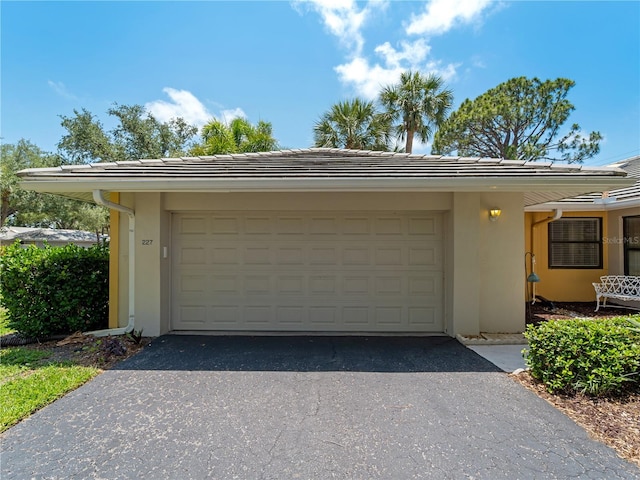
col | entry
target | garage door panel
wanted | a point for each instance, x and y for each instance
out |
(225, 225)
(323, 284)
(193, 256)
(356, 225)
(356, 255)
(355, 318)
(422, 226)
(423, 317)
(258, 316)
(224, 284)
(257, 284)
(194, 315)
(307, 272)
(192, 225)
(224, 255)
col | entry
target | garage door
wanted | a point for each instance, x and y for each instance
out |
(307, 272)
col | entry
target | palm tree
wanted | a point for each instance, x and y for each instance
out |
(418, 104)
(352, 124)
(239, 136)
(250, 138)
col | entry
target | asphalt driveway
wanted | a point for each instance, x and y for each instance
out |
(308, 408)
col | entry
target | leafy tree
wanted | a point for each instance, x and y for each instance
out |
(17, 157)
(239, 136)
(138, 134)
(353, 124)
(417, 105)
(519, 119)
(31, 209)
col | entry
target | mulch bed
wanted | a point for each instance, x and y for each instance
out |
(613, 421)
(545, 310)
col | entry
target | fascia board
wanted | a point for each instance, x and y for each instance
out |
(58, 184)
(584, 206)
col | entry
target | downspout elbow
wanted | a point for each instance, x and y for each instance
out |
(99, 198)
(557, 214)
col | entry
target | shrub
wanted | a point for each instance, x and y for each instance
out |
(596, 357)
(55, 290)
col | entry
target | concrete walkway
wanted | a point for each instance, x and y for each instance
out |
(304, 407)
(507, 358)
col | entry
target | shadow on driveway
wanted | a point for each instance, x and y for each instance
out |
(307, 354)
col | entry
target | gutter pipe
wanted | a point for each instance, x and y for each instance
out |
(98, 197)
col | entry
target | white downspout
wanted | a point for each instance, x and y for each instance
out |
(98, 197)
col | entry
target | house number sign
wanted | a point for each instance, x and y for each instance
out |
(147, 242)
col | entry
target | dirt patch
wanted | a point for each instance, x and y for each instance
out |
(102, 353)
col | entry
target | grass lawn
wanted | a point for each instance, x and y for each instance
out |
(34, 375)
(29, 381)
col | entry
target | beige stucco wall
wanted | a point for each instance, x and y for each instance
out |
(184, 202)
(487, 264)
(483, 279)
(501, 263)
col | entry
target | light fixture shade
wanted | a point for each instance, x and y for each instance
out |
(494, 213)
(533, 278)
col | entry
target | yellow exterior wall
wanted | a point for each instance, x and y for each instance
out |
(561, 285)
(114, 254)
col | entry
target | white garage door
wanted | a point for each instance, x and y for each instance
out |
(307, 272)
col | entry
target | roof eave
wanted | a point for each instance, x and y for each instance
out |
(585, 206)
(61, 184)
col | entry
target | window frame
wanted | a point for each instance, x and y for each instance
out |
(599, 242)
(628, 242)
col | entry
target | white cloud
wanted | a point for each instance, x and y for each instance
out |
(409, 53)
(366, 75)
(61, 89)
(367, 79)
(441, 16)
(186, 105)
(344, 18)
(228, 115)
(183, 104)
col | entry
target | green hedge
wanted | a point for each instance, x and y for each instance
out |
(596, 357)
(55, 290)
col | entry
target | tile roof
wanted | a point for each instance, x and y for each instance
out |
(326, 169)
(317, 163)
(617, 195)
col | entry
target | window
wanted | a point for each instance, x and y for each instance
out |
(631, 240)
(575, 243)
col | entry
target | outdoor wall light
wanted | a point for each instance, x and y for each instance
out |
(494, 213)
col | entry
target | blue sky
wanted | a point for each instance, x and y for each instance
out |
(288, 62)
